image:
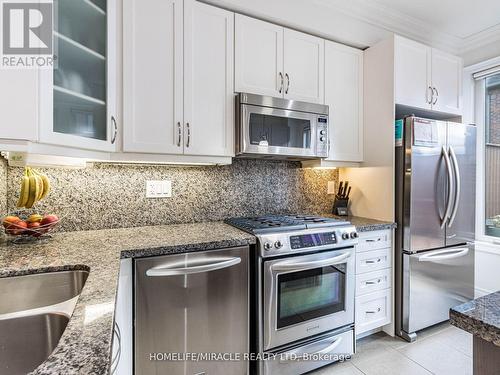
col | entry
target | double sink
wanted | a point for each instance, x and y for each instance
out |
(34, 312)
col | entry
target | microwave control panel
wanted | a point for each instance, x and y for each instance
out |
(322, 137)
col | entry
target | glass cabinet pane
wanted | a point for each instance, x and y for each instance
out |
(80, 76)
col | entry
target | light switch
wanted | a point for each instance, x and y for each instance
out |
(159, 189)
(331, 187)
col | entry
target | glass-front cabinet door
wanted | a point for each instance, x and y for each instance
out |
(80, 109)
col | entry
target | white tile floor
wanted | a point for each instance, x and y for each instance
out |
(440, 350)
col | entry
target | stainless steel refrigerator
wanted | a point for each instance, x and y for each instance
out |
(435, 213)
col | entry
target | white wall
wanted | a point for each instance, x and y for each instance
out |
(487, 270)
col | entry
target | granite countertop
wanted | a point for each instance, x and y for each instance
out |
(481, 317)
(364, 224)
(85, 347)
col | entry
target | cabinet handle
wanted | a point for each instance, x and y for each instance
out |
(189, 134)
(179, 134)
(377, 240)
(373, 261)
(373, 312)
(287, 83)
(437, 95)
(427, 100)
(281, 84)
(113, 120)
(373, 282)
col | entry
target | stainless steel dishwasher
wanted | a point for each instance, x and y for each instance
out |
(192, 303)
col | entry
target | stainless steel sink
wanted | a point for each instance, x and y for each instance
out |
(44, 289)
(34, 312)
(27, 342)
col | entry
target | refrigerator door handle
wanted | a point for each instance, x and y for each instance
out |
(444, 255)
(457, 188)
(450, 187)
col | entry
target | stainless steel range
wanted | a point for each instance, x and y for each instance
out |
(304, 291)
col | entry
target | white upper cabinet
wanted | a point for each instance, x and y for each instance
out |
(19, 104)
(413, 73)
(447, 82)
(427, 78)
(78, 98)
(208, 80)
(258, 57)
(152, 71)
(275, 61)
(344, 96)
(178, 78)
(303, 67)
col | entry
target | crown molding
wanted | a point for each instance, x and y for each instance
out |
(481, 39)
(394, 21)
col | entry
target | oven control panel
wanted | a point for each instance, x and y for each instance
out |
(312, 240)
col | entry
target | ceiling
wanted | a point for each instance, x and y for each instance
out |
(457, 26)
(461, 19)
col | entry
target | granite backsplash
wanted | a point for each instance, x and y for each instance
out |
(113, 196)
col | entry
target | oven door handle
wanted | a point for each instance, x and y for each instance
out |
(297, 355)
(298, 266)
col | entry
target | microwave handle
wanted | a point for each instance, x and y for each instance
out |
(298, 266)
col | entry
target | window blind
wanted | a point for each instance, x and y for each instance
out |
(486, 72)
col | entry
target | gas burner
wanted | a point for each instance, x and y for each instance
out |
(278, 223)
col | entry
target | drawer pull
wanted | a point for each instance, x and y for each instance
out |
(373, 312)
(373, 261)
(373, 282)
(377, 240)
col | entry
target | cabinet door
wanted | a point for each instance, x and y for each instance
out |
(447, 82)
(344, 96)
(19, 104)
(77, 104)
(258, 57)
(412, 73)
(208, 80)
(152, 74)
(304, 67)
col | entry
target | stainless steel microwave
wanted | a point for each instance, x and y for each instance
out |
(280, 128)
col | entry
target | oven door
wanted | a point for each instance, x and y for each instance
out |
(272, 131)
(307, 295)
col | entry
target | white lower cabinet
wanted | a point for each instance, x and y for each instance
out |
(373, 302)
(373, 310)
(178, 78)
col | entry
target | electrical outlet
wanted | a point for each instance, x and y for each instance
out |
(159, 189)
(331, 187)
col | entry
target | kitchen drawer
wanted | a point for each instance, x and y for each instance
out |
(372, 281)
(373, 310)
(373, 260)
(379, 239)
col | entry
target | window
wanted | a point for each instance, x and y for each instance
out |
(492, 155)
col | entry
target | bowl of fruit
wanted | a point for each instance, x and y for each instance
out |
(29, 226)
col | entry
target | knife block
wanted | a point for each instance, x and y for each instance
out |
(340, 206)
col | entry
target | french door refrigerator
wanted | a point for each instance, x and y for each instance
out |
(435, 213)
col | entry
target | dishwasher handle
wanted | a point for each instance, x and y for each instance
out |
(173, 270)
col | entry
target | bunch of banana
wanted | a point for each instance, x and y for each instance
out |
(34, 187)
